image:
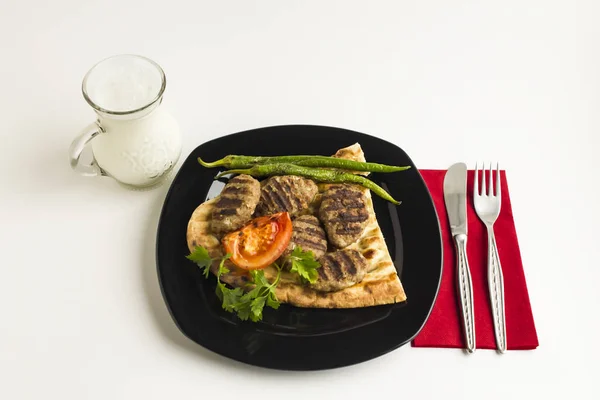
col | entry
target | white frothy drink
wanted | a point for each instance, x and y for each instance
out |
(140, 141)
(117, 87)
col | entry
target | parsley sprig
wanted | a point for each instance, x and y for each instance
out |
(201, 257)
(247, 305)
(304, 264)
(250, 304)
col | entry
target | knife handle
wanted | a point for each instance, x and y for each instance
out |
(465, 291)
(496, 288)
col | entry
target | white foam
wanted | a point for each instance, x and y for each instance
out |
(123, 85)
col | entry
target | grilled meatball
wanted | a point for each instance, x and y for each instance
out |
(286, 193)
(236, 204)
(308, 234)
(344, 214)
(339, 270)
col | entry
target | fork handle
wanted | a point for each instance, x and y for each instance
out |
(465, 291)
(496, 289)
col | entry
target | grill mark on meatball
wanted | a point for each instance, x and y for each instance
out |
(311, 221)
(274, 200)
(323, 273)
(285, 190)
(307, 244)
(343, 205)
(228, 211)
(312, 231)
(349, 263)
(350, 217)
(337, 268)
(344, 190)
(228, 202)
(343, 230)
(240, 191)
(336, 192)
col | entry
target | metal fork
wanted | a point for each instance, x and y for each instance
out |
(487, 205)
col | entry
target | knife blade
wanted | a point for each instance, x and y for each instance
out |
(455, 198)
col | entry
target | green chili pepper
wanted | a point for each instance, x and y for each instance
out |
(233, 161)
(340, 163)
(319, 175)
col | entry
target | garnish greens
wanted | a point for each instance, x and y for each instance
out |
(201, 258)
(245, 305)
(250, 305)
(304, 264)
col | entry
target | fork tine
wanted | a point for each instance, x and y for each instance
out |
(498, 179)
(483, 190)
(476, 182)
(491, 181)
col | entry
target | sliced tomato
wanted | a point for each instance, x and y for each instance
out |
(260, 242)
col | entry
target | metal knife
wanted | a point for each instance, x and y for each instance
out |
(455, 196)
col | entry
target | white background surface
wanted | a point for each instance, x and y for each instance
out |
(515, 81)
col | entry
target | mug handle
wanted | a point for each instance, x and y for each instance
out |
(79, 145)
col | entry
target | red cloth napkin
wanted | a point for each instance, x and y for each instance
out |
(444, 326)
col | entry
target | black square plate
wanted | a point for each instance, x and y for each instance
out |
(297, 338)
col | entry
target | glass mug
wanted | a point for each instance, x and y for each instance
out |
(134, 140)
